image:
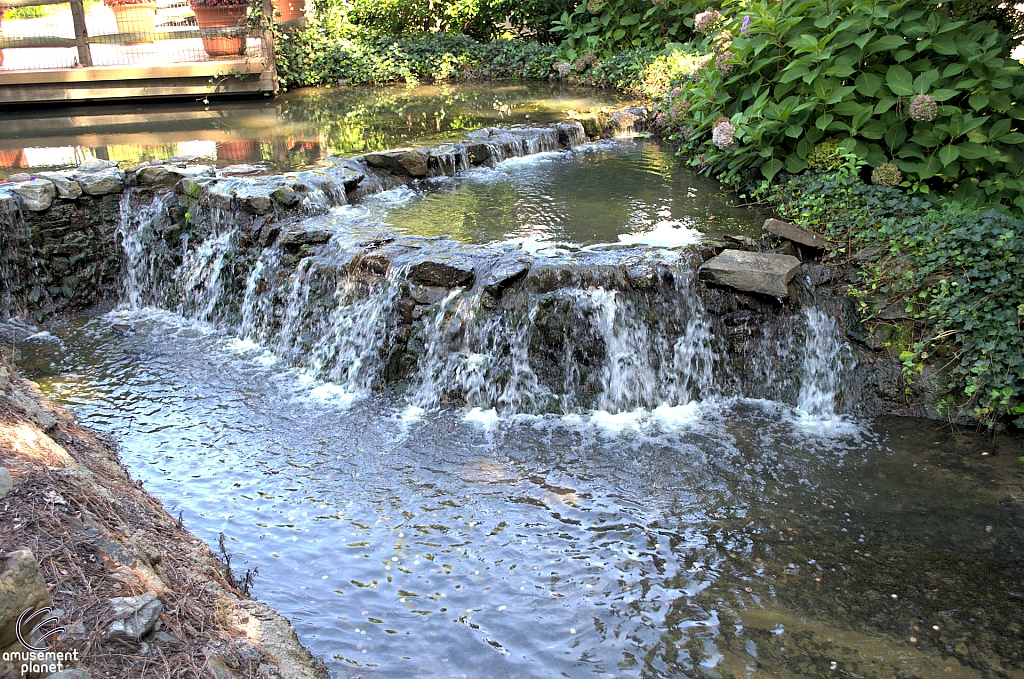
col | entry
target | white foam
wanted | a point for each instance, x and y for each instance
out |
(677, 417)
(665, 234)
(43, 336)
(411, 415)
(487, 419)
(333, 394)
(242, 346)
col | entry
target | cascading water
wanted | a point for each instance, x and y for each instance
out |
(615, 330)
(825, 356)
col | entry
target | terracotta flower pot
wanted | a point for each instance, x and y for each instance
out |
(135, 19)
(288, 9)
(232, 16)
(1, 35)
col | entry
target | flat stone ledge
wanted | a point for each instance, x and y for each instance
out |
(763, 273)
(794, 233)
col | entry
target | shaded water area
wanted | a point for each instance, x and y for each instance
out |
(493, 425)
(286, 132)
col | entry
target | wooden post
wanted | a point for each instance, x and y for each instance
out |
(81, 35)
(270, 56)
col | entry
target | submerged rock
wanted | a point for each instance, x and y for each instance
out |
(409, 162)
(134, 616)
(794, 233)
(764, 273)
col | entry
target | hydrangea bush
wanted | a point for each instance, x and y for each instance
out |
(898, 83)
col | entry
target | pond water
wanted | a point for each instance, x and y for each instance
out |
(613, 191)
(729, 541)
(287, 132)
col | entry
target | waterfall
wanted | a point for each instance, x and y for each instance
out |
(825, 355)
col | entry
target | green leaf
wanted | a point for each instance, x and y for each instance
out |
(978, 101)
(886, 43)
(619, 34)
(999, 128)
(923, 82)
(868, 83)
(630, 19)
(771, 168)
(948, 154)
(1012, 138)
(944, 95)
(874, 129)
(899, 80)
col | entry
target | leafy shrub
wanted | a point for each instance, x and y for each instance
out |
(606, 27)
(958, 271)
(325, 53)
(904, 83)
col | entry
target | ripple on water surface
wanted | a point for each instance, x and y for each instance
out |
(725, 540)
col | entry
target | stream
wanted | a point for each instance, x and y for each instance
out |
(573, 479)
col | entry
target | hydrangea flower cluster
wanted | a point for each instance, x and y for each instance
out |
(723, 135)
(594, 6)
(721, 64)
(923, 109)
(564, 68)
(886, 174)
(705, 22)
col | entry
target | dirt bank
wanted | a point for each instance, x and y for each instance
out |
(137, 594)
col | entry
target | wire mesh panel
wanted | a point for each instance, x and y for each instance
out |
(47, 34)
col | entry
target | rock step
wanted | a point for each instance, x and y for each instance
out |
(762, 273)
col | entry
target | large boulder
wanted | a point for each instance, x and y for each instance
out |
(794, 233)
(763, 273)
(22, 587)
(36, 194)
(409, 162)
(134, 616)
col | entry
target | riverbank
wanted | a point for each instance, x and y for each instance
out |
(137, 594)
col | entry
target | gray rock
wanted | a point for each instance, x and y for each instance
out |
(134, 616)
(764, 273)
(301, 237)
(6, 482)
(96, 165)
(193, 186)
(255, 198)
(422, 294)
(36, 194)
(219, 669)
(505, 275)
(442, 274)
(285, 195)
(22, 586)
(156, 176)
(220, 195)
(409, 162)
(101, 182)
(794, 233)
(20, 177)
(77, 673)
(66, 187)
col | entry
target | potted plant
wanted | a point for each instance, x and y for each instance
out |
(134, 16)
(289, 10)
(222, 14)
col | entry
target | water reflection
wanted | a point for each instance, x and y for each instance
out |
(288, 132)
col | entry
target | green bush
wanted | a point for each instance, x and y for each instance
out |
(958, 271)
(898, 82)
(606, 27)
(325, 53)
